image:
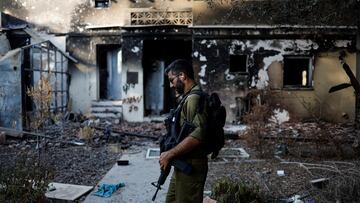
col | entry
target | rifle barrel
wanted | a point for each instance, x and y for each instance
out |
(157, 190)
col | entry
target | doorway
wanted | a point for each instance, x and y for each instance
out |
(158, 54)
(109, 62)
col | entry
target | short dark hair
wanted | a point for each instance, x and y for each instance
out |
(181, 65)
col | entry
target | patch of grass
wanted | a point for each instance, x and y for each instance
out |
(24, 180)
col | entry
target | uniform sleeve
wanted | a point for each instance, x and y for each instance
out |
(190, 112)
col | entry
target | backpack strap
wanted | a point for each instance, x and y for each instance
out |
(200, 108)
(201, 105)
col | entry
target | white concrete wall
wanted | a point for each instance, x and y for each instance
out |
(134, 93)
(83, 88)
(63, 16)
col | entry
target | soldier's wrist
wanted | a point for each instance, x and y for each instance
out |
(172, 153)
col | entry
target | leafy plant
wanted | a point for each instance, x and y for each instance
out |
(41, 96)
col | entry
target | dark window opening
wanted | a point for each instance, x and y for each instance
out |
(102, 3)
(297, 71)
(238, 63)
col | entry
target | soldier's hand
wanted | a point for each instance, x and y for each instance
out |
(165, 158)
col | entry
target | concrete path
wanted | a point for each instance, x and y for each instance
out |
(137, 177)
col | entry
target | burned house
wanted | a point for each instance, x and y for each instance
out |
(120, 49)
(27, 60)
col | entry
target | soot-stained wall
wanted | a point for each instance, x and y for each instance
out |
(10, 90)
(211, 57)
(84, 86)
(132, 77)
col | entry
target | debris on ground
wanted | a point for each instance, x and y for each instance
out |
(106, 190)
(317, 158)
(67, 192)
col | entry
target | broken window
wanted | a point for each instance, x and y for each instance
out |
(238, 63)
(297, 71)
(47, 62)
(102, 3)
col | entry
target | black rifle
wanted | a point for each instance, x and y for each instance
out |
(168, 142)
(179, 164)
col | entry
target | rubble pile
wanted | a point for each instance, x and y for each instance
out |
(79, 160)
(298, 155)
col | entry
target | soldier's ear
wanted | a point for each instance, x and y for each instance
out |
(182, 76)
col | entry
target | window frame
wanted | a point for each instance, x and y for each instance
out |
(310, 70)
(99, 7)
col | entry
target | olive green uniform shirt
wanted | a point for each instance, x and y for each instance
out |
(189, 188)
(190, 113)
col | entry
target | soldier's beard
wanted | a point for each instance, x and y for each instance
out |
(179, 87)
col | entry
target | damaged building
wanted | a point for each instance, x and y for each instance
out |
(27, 59)
(107, 58)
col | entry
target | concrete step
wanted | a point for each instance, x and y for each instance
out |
(96, 109)
(106, 115)
(107, 109)
(113, 103)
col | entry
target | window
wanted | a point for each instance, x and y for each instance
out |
(238, 63)
(102, 3)
(297, 71)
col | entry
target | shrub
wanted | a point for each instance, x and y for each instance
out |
(24, 180)
(227, 191)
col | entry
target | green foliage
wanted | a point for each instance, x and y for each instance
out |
(24, 180)
(227, 191)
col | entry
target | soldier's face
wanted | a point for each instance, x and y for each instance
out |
(176, 83)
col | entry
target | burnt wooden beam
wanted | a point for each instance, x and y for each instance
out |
(128, 133)
(20, 133)
(11, 132)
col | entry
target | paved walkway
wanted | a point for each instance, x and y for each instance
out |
(137, 177)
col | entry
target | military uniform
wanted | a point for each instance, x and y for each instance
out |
(189, 188)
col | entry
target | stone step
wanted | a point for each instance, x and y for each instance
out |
(107, 109)
(115, 103)
(106, 115)
(97, 109)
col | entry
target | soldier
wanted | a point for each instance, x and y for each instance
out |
(187, 188)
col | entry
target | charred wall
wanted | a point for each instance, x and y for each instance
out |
(132, 77)
(84, 85)
(10, 90)
(213, 56)
(163, 44)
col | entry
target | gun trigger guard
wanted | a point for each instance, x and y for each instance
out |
(155, 185)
